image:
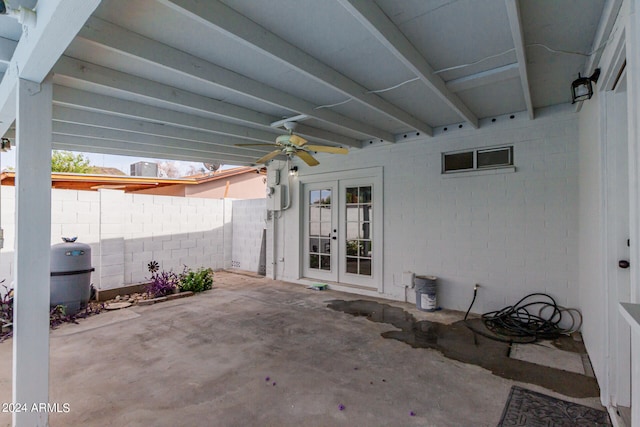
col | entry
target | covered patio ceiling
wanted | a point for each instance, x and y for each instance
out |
(189, 79)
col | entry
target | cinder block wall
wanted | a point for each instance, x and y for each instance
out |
(513, 233)
(127, 231)
(248, 226)
(175, 231)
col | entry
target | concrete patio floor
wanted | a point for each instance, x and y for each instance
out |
(204, 360)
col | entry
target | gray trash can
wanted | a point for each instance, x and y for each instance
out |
(426, 293)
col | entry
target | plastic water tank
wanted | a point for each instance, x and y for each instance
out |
(70, 275)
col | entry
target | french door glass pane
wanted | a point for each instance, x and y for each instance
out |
(314, 245)
(352, 265)
(320, 228)
(314, 197)
(365, 267)
(314, 261)
(364, 194)
(325, 246)
(358, 239)
(325, 229)
(352, 212)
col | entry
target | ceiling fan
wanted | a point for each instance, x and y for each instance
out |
(294, 145)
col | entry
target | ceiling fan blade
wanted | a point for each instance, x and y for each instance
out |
(255, 145)
(271, 155)
(291, 139)
(308, 158)
(327, 149)
(297, 140)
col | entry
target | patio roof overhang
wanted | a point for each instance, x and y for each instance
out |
(187, 80)
(130, 79)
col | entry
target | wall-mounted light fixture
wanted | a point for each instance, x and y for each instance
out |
(5, 145)
(581, 88)
(293, 171)
(23, 15)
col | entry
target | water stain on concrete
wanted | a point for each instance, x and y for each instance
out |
(456, 341)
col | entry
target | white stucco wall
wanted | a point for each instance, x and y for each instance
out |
(591, 251)
(513, 233)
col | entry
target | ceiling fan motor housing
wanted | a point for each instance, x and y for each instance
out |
(290, 126)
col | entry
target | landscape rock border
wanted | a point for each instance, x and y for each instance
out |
(163, 299)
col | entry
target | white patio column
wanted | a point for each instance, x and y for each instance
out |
(32, 251)
(631, 312)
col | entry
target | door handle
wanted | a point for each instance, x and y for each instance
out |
(623, 263)
(334, 238)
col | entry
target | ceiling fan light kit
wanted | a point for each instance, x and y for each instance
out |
(294, 145)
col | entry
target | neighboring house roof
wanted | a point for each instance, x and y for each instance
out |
(100, 170)
(94, 182)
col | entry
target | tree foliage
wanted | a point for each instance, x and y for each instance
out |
(168, 169)
(66, 161)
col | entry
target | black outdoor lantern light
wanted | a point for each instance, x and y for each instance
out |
(581, 88)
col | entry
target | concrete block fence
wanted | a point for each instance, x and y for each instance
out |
(248, 235)
(127, 231)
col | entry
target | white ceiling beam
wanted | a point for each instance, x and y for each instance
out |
(92, 118)
(72, 72)
(99, 34)
(484, 78)
(607, 21)
(369, 14)
(515, 22)
(313, 133)
(7, 102)
(121, 147)
(79, 99)
(156, 141)
(128, 148)
(58, 22)
(7, 47)
(82, 100)
(221, 17)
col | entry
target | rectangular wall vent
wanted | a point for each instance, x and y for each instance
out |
(485, 158)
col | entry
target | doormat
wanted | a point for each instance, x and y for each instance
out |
(528, 408)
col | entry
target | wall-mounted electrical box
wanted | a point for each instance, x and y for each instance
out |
(276, 197)
(273, 178)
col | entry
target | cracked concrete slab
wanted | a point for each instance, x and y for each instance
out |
(205, 360)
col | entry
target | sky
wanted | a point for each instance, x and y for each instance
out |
(8, 159)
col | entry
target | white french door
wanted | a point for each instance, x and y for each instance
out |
(320, 222)
(342, 230)
(356, 219)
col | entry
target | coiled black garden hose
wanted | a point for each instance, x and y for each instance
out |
(519, 321)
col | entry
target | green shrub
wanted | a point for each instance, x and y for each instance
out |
(197, 281)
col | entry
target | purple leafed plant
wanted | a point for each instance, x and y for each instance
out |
(162, 283)
(6, 311)
(6, 303)
(58, 315)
